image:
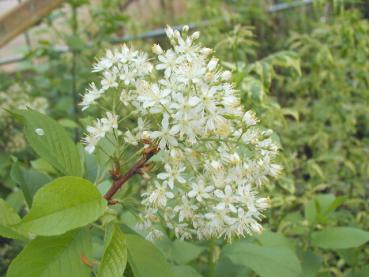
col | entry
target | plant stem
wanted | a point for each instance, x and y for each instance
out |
(212, 262)
(119, 182)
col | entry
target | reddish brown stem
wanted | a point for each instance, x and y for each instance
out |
(119, 182)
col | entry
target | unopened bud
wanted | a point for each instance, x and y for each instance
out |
(185, 28)
(157, 49)
(226, 75)
(206, 51)
(195, 35)
(212, 64)
(169, 32)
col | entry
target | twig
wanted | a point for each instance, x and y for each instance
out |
(120, 180)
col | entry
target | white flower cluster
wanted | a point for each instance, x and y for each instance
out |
(16, 97)
(214, 154)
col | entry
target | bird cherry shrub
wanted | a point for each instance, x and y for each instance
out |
(213, 154)
(176, 122)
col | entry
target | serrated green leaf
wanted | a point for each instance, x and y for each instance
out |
(266, 261)
(57, 256)
(144, 258)
(62, 205)
(285, 59)
(52, 142)
(339, 238)
(114, 260)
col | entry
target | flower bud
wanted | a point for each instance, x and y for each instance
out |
(249, 118)
(157, 49)
(226, 75)
(185, 28)
(212, 64)
(195, 35)
(206, 51)
(169, 32)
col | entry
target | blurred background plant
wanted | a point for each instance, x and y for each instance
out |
(303, 68)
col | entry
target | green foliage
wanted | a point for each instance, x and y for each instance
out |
(29, 180)
(339, 238)
(184, 271)
(52, 142)
(54, 256)
(264, 260)
(144, 258)
(183, 252)
(62, 205)
(8, 218)
(114, 260)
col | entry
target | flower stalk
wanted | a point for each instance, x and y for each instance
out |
(120, 180)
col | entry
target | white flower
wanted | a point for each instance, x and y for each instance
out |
(91, 142)
(200, 191)
(160, 195)
(99, 130)
(166, 135)
(90, 97)
(186, 210)
(152, 97)
(104, 63)
(168, 62)
(172, 174)
(250, 118)
(213, 155)
(109, 81)
(227, 199)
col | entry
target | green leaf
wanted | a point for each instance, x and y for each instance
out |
(62, 205)
(268, 238)
(184, 271)
(184, 252)
(310, 264)
(9, 217)
(43, 166)
(8, 214)
(319, 209)
(254, 88)
(339, 238)
(144, 258)
(58, 256)
(267, 261)
(29, 180)
(363, 272)
(114, 260)
(52, 142)
(10, 233)
(16, 200)
(285, 59)
(225, 267)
